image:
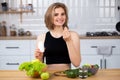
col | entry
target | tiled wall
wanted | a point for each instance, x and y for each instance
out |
(84, 15)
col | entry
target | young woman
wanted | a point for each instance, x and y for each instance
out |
(62, 46)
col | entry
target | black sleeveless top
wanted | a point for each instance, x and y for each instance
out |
(56, 51)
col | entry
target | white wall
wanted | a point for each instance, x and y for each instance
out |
(84, 15)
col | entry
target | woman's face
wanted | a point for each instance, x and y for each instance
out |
(59, 17)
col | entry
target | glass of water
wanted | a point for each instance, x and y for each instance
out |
(83, 73)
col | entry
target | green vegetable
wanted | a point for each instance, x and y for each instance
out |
(96, 66)
(72, 73)
(32, 67)
(89, 74)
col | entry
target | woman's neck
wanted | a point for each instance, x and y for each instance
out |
(57, 32)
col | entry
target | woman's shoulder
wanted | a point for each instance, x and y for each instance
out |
(41, 37)
(74, 36)
(73, 33)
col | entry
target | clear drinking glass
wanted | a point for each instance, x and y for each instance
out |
(83, 73)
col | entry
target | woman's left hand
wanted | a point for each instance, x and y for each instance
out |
(66, 34)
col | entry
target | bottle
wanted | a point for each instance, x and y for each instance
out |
(0, 29)
(12, 30)
(3, 29)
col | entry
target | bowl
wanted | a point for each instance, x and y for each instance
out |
(92, 68)
(92, 71)
(36, 75)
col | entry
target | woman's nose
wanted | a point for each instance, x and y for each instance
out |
(60, 16)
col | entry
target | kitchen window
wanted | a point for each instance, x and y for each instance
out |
(106, 11)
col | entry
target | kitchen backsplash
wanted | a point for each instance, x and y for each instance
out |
(84, 15)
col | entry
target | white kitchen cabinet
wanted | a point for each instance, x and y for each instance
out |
(90, 59)
(106, 62)
(89, 46)
(14, 47)
(13, 52)
(112, 61)
(12, 62)
(33, 46)
(89, 52)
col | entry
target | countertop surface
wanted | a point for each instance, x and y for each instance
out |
(107, 74)
(35, 37)
(100, 37)
(18, 37)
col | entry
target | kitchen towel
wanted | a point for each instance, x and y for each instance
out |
(104, 50)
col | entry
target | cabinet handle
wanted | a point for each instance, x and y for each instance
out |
(12, 47)
(12, 63)
(105, 63)
(97, 46)
(101, 63)
(113, 46)
(93, 46)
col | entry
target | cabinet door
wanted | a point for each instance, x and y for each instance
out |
(12, 62)
(14, 47)
(89, 46)
(89, 50)
(91, 59)
(86, 47)
(33, 46)
(113, 61)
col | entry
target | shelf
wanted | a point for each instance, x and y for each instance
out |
(15, 12)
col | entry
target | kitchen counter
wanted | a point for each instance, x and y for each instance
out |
(100, 37)
(35, 37)
(107, 74)
(18, 37)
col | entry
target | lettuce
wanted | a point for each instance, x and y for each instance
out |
(32, 67)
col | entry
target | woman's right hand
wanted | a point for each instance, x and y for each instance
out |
(38, 54)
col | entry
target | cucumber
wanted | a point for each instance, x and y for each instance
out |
(72, 73)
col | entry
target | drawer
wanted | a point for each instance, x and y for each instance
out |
(14, 47)
(12, 62)
(90, 46)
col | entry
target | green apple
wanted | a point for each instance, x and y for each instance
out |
(85, 66)
(35, 60)
(45, 76)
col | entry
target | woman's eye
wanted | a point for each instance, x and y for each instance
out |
(63, 14)
(56, 14)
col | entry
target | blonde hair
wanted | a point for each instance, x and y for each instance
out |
(49, 15)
